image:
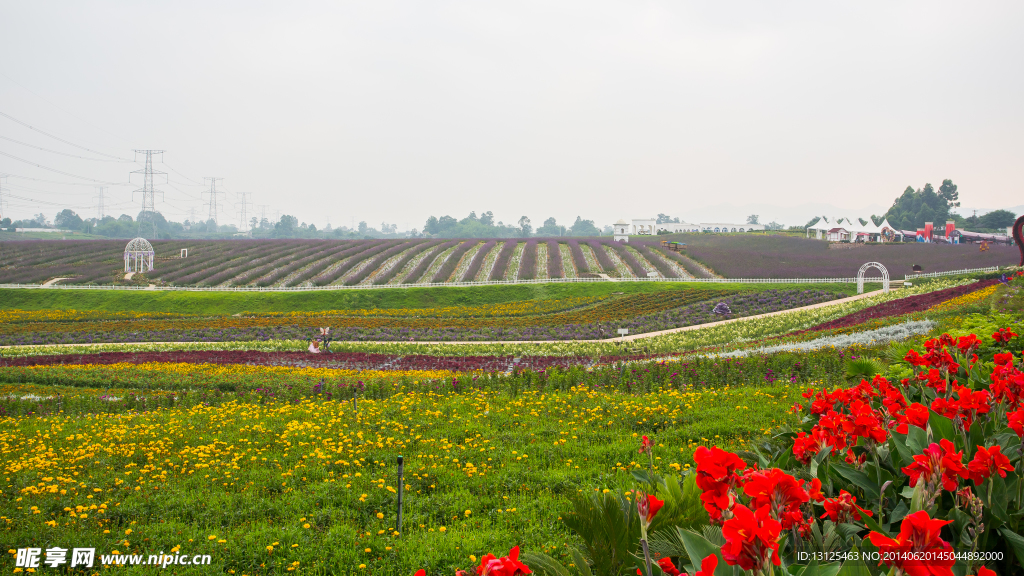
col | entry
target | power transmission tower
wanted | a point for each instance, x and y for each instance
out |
(263, 213)
(192, 215)
(148, 192)
(213, 196)
(244, 212)
(100, 201)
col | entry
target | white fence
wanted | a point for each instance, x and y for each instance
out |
(492, 283)
(951, 273)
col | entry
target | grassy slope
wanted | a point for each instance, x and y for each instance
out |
(233, 302)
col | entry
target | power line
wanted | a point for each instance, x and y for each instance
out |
(59, 139)
(61, 183)
(55, 170)
(57, 152)
(194, 183)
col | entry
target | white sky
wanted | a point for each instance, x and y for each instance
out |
(393, 111)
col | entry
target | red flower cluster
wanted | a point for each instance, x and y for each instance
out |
(775, 502)
(967, 406)
(846, 415)
(1003, 336)
(718, 479)
(646, 446)
(504, 566)
(751, 538)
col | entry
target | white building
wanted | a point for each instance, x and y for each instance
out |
(726, 227)
(644, 226)
(678, 227)
(851, 229)
(621, 231)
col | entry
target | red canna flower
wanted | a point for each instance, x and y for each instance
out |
(982, 571)
(1003, 358)
(1003, 335)
(751, 538)
(843, 508)
(420, 572)
(915, 359)
(708, 565)
(813, 489)
(668, 567)
(865, 424)
(775, 489)
(938, 461)
(646, 446)
(916, 414)
(918, 533)
(968, 344)
(505, 566)
(1016, 421)
(647, 506)
(717, 478)
(986, 461)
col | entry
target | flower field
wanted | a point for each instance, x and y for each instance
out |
(555, 319)
(292, 263)
(312, 485)
(272, 459)
(777, 256)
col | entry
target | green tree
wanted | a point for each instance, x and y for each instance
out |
(752, 219)
(997, 219)
(549, 228)
(666, 219)
(584, 228)
(487, 218)
(915, 207)
(67, 220)
(524, 226)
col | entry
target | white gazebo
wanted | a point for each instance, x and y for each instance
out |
(139, 256)
(621, 229)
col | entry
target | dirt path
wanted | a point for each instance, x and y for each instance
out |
(607, 340)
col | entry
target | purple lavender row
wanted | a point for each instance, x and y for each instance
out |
(446, 269)
(602, 256)
(424, 264)
(655, 259)
(528, 262)
(378, 261)
(554, 260)
(355, 255)
(412, 253)
(478, 261)
(296, 265)
(629, 259)
(501, 262)
(578, 258)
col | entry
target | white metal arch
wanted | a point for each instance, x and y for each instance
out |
(864, 268)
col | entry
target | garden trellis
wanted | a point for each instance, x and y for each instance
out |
(139, 256)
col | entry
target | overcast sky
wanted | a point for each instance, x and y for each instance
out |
(393, 111)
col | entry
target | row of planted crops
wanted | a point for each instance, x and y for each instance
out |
(657, 456)
(288, 263)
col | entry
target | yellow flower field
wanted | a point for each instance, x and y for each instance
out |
(311, 485)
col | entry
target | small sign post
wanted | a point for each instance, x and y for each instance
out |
(623, 331)
(401, 487)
